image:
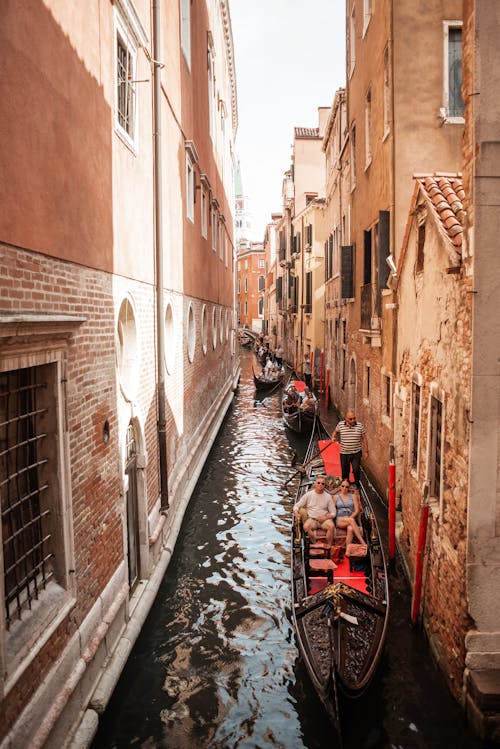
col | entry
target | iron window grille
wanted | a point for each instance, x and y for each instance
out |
(27, 541)
(126, 89)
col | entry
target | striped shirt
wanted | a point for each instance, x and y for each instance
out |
(350, 437)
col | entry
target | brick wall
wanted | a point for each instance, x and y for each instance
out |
(35, 282)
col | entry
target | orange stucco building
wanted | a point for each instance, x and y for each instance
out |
(116, 190)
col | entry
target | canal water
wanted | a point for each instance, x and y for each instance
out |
(216, 665)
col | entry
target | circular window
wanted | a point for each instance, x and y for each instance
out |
(204, 328)
(128, 350)
(214, 328)
(191, 333)
(169, 339)
(221, 327)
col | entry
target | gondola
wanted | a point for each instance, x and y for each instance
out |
(340, 613)
(265, 385)
(297, 420)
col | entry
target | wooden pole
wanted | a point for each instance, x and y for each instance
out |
(419, 565)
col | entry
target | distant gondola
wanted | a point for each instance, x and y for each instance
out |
(340, 613)
(297, 419)
(265, 384)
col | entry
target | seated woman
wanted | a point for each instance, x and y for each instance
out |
(309, 404)
(348, 508)
(291, 400)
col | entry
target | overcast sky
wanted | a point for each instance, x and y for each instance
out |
(290, 60)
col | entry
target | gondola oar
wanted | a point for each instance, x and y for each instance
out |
(301, 469)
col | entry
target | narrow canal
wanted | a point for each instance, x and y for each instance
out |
(216, 666)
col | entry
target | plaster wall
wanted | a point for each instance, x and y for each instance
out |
(435, 350)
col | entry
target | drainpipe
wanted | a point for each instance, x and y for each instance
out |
(159, 243)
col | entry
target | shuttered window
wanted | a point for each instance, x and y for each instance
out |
(347, 272)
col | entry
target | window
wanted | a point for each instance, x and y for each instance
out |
(453, 102)
(344, 353)
(347, 272)
(221, 238)
(204, 213)
(261, 307)
(387, 93)
(214, 328)
(185, 10)
(368, 128)
(191, 333)
(191, 160)
(308, 236)
(211, 90)
(262, 263)
(125, 85)
(435, 451)
(239, 286)
(352, 41)
(246, 285)
(170, 339)
(308, 306)
(213, 218)
(261, 283)
(415, 424)
(353, 157)
(386, 395)
(189, 189)
(204, 329)
(366, 381)
(367, 14)
(419, 265)
(35, 549)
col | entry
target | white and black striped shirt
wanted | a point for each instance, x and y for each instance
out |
(350, 437)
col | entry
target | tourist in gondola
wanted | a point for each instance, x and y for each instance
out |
(347, 508)
(291, 401)
(318, 507)
(353, 444)
(309, 403)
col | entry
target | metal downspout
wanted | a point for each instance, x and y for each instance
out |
(159, 242)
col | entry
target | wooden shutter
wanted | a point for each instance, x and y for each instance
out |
(384, 248)
(346, 272)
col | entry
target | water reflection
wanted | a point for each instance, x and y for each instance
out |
(216, 666)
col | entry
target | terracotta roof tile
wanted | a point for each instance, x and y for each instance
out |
(445, 194)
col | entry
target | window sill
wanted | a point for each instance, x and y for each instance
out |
(127, 141)
(27, 637)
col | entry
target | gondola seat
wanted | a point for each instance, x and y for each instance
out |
(322, 567)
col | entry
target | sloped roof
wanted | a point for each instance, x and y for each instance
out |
(445, 194)
(306, 132)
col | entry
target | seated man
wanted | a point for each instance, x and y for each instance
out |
(320, 509)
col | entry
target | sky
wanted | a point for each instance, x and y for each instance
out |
(289, 60)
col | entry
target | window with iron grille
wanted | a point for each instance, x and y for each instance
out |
(29, 494)
(36, 551)
(435, 456)
(415, 423)
(125, 86)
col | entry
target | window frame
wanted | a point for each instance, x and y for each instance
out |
(435, 437)
(130, 137)
(415, 435)
(447, 27)
(20, 645)
(185, 30)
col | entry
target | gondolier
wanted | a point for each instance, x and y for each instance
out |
(353, 444)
